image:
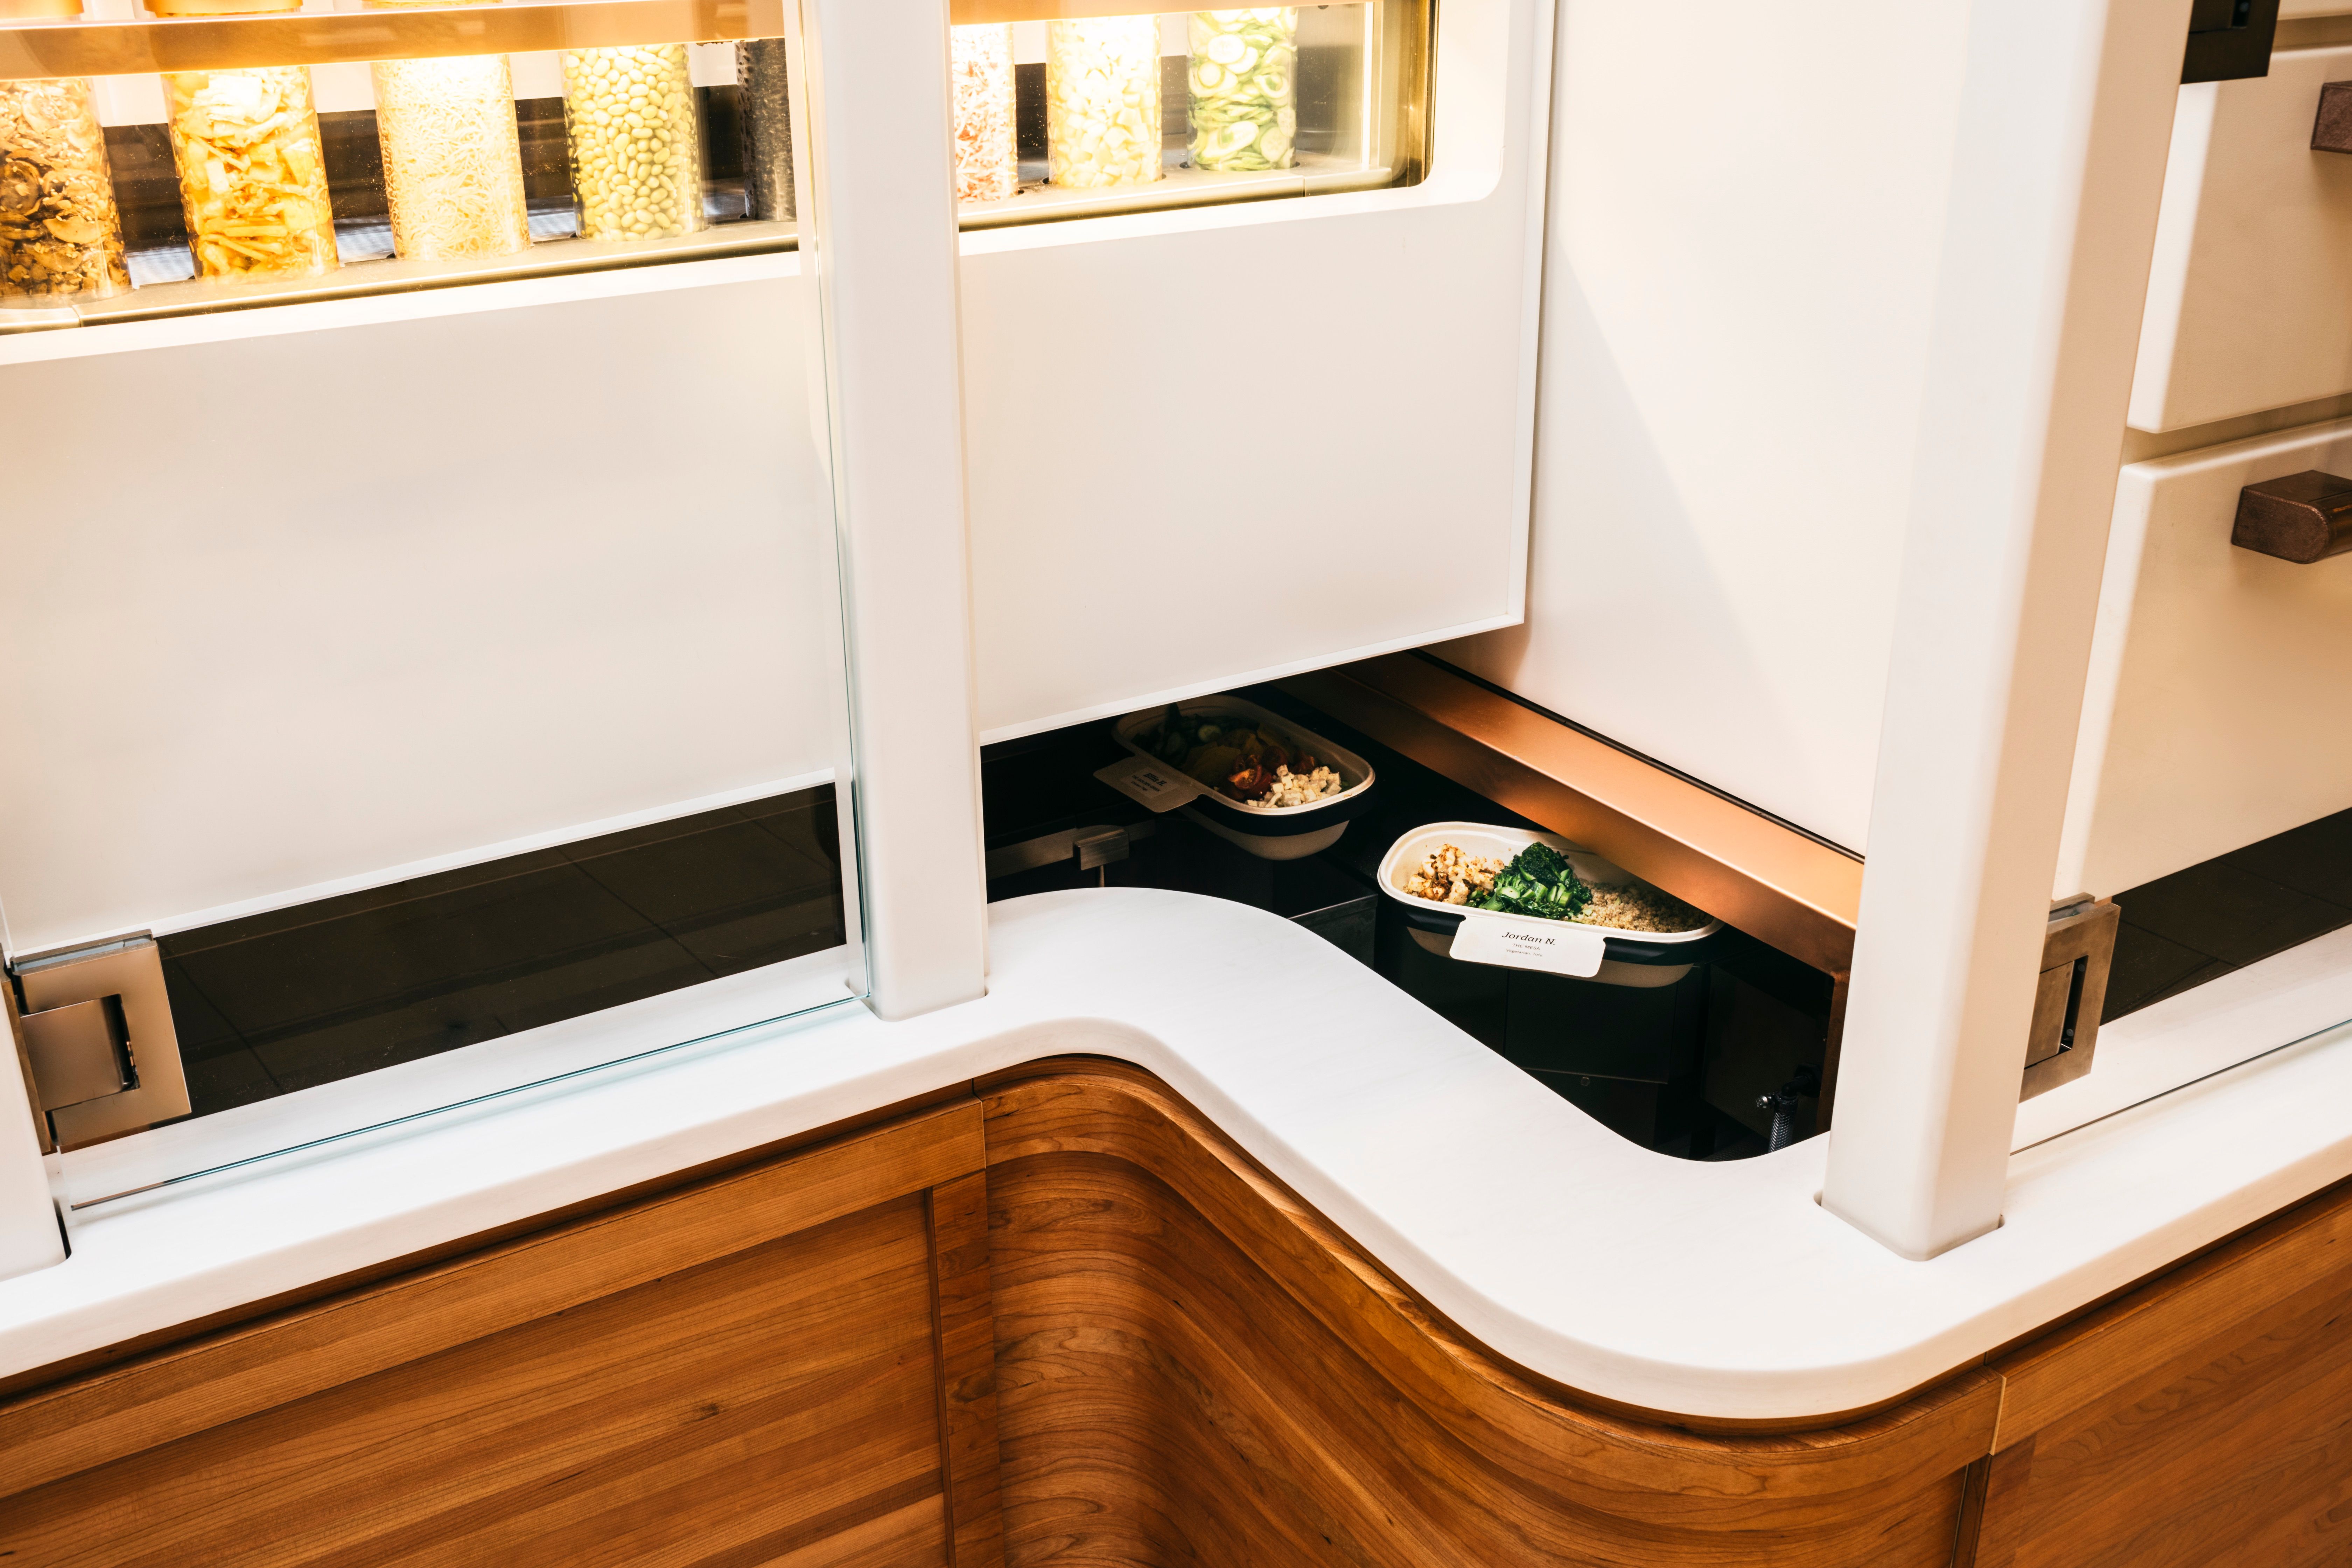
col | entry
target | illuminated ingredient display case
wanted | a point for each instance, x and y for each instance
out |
(213, 154)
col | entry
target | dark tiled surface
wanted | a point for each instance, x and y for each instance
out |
(2182, 931)
(297, 997)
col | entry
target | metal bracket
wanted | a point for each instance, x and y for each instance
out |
(94, 1037)
(2075, 955)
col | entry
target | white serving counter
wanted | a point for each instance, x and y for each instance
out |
(1707, 1290)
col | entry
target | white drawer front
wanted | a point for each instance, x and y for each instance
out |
(2220, 705)
(2250, 299)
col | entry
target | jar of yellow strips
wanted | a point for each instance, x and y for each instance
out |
(253, 180)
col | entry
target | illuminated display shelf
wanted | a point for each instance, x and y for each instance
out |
(81, 47)
(1379, 128)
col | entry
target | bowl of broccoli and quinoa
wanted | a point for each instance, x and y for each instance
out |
(1439, 872)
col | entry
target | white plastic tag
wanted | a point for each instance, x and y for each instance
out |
(1154, 784)
(1516, 944)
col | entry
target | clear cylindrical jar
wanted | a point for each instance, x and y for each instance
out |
(1102, 101)
(452, 157)
(764, 103)
(60, 235)
(1245, 81)
(253, 181)
(637, 154)
(988, 155)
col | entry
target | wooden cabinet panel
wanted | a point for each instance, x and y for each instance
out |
(1195, 1368)
(1066, 1322)
(747, 1372)
(2204, 1419)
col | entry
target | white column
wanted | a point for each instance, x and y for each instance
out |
(28, 1220)
(2066, 118)
(878, 236)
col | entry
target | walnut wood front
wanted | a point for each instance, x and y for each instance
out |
(1066, 1323)
(755, 1371)
(2203, 1420)
(1194, 1369)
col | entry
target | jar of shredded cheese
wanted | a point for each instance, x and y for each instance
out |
(452, 155)
(763, 103)
(637, 148)
(1102, 101)
(253, 179)
(60, 235)
(1244, 80)
(988, 157)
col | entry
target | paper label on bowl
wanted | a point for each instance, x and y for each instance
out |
(1154, 784)
(1486, 938)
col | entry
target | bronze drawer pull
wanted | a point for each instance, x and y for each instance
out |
(2331, 132)
(2301, 518)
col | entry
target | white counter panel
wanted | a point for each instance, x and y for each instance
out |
(1744, 224)
(1708, 1289)
(295, 609)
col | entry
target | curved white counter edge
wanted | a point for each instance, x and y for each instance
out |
(1707, 1290)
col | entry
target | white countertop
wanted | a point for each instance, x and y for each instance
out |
(1717, 1289)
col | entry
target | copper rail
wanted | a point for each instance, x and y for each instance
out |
(1772, 881)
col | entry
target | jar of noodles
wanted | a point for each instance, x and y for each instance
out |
(764, 101)
(636, 150)
(1245, 81)
(1102, 101)
(452, 156)
(59, 233)
(987, 156)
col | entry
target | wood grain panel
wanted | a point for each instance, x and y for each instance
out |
(1194, 1367)
(2156, 1327)
(710, 1416)
(2206, 1418)
(967, 1368)
(58, 1431)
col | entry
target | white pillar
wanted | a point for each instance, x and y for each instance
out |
(878, 237)
(29, 1239)
(2066, 118)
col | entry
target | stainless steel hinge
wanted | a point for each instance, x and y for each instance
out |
(93, 1033)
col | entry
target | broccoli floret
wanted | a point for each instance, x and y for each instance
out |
(1538, 881)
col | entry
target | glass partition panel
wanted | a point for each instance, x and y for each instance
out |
(426, 702)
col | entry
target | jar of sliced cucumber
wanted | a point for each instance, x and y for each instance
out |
(1245, 83)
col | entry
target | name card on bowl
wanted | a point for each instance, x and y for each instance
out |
(1518, 943)
(1155, 784)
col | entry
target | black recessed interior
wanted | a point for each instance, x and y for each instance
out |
(329, 990)
(2182, 931)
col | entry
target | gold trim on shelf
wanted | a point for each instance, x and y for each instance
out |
(549, 258)
(324, 38)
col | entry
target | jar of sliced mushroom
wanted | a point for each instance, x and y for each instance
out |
(636, 150)
(59, 233)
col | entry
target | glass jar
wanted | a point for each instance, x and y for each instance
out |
(1102, 101)
(252, 179)
(987, 156)
(60, 232)
(1245, 81)
(763, 103)
(452, 157)
(637, 152)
